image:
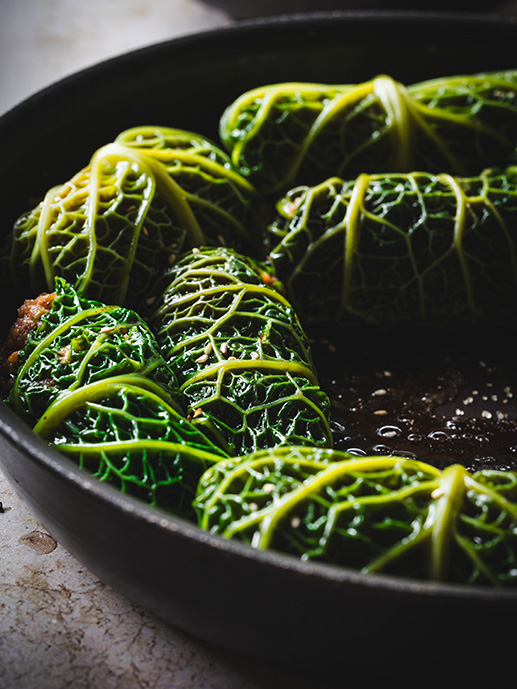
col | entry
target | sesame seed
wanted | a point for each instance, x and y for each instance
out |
(108, 329)
(486, 414)
(208, 348)
(268, 487)
(255, 355)
(253, 506)
(380, 412)
(295, 522)
(197, 412)
(380, 391)
(201, 359)
(224, 348)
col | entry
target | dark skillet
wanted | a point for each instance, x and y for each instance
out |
(314, 617)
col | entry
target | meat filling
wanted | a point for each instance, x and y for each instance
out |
(29, 316)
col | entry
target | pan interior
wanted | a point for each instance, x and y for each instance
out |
(440, 396)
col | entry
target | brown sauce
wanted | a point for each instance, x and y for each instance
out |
(438, 396)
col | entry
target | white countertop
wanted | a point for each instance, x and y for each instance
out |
(60, 627)
(43, 41)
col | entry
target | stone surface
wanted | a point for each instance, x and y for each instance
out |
(62, 627)
(41, 42)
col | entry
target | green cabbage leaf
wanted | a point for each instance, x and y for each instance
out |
(81, 341)
(118, 223)
(379, 514)
(92, 382)
(283, 135)
(241, 357)
(414, 248)
(124, 431)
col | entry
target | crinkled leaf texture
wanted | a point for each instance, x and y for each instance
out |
(414, 248)
(241, 357)
(81, 341)
(117, 224)
(286, 134)
(92, 382)
(124, 431)
(379, 514)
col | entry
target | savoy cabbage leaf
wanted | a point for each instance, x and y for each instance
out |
(415, 248)
(241, 357)
(376, 514)
(92, 382)
(124, 431)
(285, 134)
(119, 222)
(81, 341)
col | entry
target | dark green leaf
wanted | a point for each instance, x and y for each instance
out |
(375, 514)
(123, 431)
(401, 249)
(79, 342)
(283, 135)
(240, 354)
(117, 224)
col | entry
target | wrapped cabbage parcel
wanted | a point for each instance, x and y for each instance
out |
(119, 222)
(91, 381)
(387, 249)
(380, 514)
(240, 355)
(286, 134)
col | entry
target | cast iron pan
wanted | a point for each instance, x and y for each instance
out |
(315, 618)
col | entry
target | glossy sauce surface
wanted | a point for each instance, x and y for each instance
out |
(439, 396)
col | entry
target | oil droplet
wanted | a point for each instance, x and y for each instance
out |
(440, 436)
(41, 542)
(388, 431)
(359, 452)
(414, 437)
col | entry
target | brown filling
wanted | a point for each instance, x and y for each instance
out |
(29, 315)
